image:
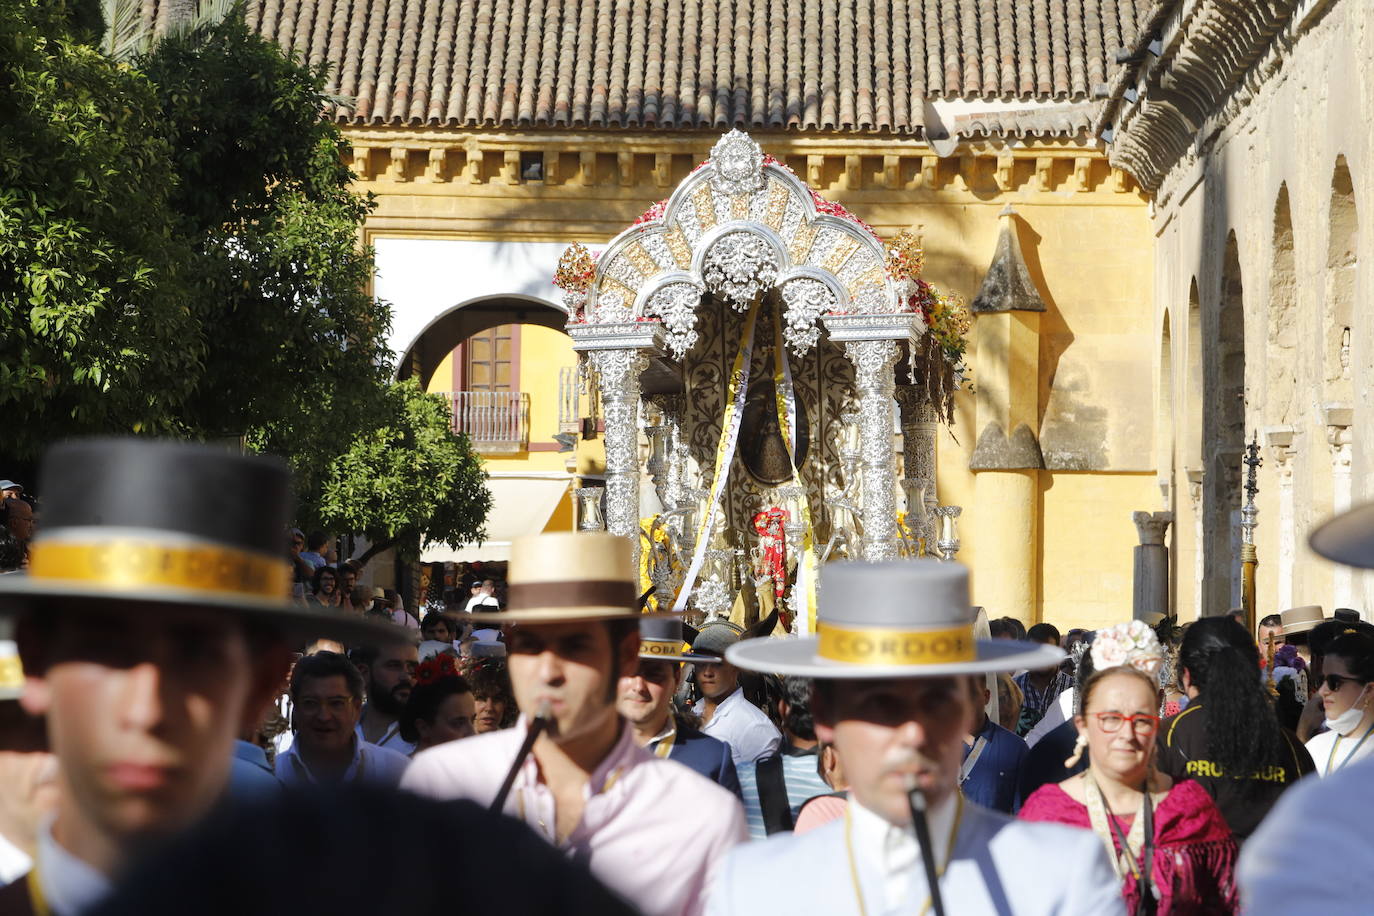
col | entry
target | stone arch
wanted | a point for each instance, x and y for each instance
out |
(1164, 415)
(1281, 345)
(1223, 437)
(1342, 261)
(1193, 378)
(459, 322)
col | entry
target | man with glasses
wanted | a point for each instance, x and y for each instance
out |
(326, 701)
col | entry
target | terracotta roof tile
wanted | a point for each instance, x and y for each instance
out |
(864, 65)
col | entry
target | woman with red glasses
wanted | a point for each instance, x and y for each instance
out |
(1348, 703)
(1167, 841)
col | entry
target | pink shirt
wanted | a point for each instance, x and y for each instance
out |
(653, 830)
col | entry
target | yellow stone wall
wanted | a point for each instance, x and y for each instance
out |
(1086, 234)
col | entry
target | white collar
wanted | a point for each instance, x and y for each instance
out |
(349, 774)
(723, 707)
(669, 730)
(70, 886)
(894, 848)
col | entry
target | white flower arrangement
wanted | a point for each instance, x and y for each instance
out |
(1132, 643)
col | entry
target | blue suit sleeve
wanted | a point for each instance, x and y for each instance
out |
(727, 776)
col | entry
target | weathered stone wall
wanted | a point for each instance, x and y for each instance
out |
(1264, 263)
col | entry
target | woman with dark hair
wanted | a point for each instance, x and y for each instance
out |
(1228, 739)
(440, 708)
(324, 589)
(1347, 671)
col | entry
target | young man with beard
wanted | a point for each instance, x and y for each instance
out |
(326, 699)
(153, 627)
(650, 829)
(388, 676)
(893, 651)
(646, 702)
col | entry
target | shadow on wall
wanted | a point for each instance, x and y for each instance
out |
(1074, 437)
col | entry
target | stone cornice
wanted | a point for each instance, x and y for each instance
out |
(382, 156)
(1208, 60)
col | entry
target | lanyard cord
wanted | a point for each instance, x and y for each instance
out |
(1331, 758)
(940, 872)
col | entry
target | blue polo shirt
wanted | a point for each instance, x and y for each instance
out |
(993, 780)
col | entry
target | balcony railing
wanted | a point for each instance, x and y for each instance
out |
(497, 422)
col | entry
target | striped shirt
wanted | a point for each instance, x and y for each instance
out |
(798, 775)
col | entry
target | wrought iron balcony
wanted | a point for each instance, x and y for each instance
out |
(497, 422)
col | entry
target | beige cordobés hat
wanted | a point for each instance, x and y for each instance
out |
(892, 619)
(1301, 619)
(568, 576)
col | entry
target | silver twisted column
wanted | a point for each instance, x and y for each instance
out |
(617, 374)
(873, 361)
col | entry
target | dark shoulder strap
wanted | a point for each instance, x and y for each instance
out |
(15, 899)
(777, 811)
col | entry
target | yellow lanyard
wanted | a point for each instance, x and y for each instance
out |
(939, 872)
(665, 746)
(36, 897)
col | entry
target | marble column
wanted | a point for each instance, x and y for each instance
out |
(1151, 592)
(919, 459)
(874, 384)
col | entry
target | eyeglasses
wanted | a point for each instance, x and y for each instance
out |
(1141, 723)
(1335, 682)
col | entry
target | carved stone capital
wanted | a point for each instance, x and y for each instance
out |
(1152, 526)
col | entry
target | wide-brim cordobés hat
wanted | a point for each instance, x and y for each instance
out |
(663, 638)
(1300, 619)
(892, 619)
(568, 576)
(1347, 538)
(148, 525)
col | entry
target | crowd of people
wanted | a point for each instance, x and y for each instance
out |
(184, 724)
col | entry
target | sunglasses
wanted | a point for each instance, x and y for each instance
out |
(1141, 723)
(1335, 682)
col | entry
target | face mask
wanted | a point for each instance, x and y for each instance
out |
(1349, 720)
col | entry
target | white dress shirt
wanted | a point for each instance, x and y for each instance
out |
(652, 830)
(1059, 712)
(999, 867)
(70, 886)
(1332, 757)
(751, 735)
(391, 738)
(373, 765)
(14, 862)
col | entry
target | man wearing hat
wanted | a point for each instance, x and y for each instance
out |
(646, 702)
(652, 830)
(892, 655)
(1315, 846)
(727, 713)
(153, 626)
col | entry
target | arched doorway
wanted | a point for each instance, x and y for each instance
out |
(1223, 436)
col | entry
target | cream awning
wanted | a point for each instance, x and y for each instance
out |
(521, 504)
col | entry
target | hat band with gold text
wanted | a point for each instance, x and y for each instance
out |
(869, 646)
(129, 564)
(659, 647)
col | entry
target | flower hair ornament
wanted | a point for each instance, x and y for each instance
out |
(433, 670)
(1133, 644)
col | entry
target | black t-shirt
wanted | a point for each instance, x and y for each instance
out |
(1243, 802)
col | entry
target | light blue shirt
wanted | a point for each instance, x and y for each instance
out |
(250, 776)
(798, 775)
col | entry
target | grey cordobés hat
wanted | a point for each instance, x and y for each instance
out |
(892, 619)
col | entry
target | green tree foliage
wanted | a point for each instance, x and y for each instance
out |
(280, 282)
(411, 478)
(97, 335)
(179, 255)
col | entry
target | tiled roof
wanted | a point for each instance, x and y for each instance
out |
(845, 65)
